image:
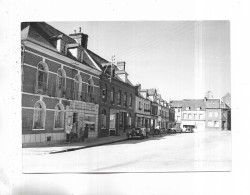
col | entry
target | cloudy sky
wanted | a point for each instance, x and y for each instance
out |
(183, 59)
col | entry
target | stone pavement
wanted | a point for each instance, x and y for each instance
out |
(65, 147)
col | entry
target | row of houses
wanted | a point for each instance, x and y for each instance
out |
(65, 82)
(202, 114)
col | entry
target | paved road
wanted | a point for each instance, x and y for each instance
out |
(170, 153)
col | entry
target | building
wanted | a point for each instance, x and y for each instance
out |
(60, 85)
(214, 113)
(117, 103)
(172, 121)
(193, 114)
(176, 105)
(164, 114)
(142, 108)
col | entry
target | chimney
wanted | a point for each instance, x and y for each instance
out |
(80, 38)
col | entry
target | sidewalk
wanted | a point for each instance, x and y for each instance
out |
(64, 147)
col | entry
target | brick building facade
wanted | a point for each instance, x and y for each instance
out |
(60, 83)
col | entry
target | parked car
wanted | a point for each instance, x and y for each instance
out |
(189, 130)
(138, 132)
(175, 130)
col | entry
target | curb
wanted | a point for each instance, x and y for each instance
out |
(90, 146)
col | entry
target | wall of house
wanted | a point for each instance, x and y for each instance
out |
(32, 56)
(213, 121)
(107, 105)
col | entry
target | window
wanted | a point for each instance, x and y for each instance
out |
(60, 83)
(90, 86)
(215, 114)
(179, 110)
(185, 116)
(187, 108)
(140, 105)
(125, 99)
(104, 93)
(42, 78)
(103, 122)
(178, 118)
(189, 116)
(119, 97)
(77, 87)
(129, 120)
(39, 115)
(210, 114)
(196, 116)
(59, 116)
(200, 116)
(130, 100)
(216, 123)
(210, 124)
(112, 94)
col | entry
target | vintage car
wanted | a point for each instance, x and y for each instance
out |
(175, 130)
(138, 132)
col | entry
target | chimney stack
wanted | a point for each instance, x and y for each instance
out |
(80, 38)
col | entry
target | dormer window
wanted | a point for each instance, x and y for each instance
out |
(61, 46)
(187, 108)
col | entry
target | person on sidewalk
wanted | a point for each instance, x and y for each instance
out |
(68, 131)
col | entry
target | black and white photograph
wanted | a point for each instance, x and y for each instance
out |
(124, 97)
(138, 96)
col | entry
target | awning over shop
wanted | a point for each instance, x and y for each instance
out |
(114, 111)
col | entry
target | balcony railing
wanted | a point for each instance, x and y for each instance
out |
(53, 91)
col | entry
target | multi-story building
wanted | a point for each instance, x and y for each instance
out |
(117, 103)
(151, 94)
(216, 115)
(164, 113)
(172, 121)
(193, 114)
(176, 105)
(60, 84)
(142, 108)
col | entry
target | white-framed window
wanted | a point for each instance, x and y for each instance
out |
(184, 115)
(210, 114)
(187, 108)
(189, 116)
(59, 116)
(60, 82)
(210, 123)
(215, 114)
(39, 116)
(77, 87)
(42, 78)
(200, 116)
(90, 87)
(216, 123)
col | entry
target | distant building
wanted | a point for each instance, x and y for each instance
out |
(177, 106)
(142, 108)
(193, 114)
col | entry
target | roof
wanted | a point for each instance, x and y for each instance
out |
(193, 104)
(44, 34)
(176, 103)
(99, 61)
(151, 91)
(212, 103)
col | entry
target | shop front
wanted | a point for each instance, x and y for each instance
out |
(84, 119)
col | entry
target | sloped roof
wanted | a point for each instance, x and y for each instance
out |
(176, 103)
(42, 33)
(212, 103)
(194, 104)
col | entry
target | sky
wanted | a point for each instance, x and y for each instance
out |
(182, 59)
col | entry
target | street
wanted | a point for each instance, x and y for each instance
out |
(199, 151)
